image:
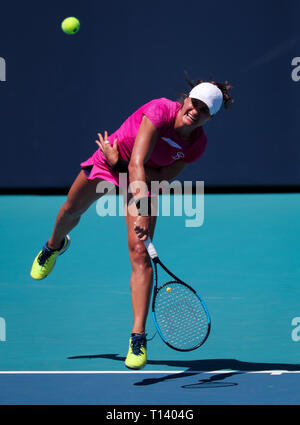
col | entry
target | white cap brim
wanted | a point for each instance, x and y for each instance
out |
(210, 94)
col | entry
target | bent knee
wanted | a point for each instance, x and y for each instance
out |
(71, 210)
(139, 256)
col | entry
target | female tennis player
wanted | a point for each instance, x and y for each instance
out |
(155, 143)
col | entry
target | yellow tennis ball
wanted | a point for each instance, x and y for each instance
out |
(70, 25)
(169, 289)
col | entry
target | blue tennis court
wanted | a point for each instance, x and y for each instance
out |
(198, 92)
(64, 339)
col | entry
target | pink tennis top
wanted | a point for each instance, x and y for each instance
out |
(168, 149)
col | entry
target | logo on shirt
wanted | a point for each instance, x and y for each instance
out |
(172, 143)
(178, 156)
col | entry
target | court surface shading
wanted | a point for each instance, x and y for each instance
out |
(243, 261)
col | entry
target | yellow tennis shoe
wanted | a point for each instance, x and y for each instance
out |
(137, 353)
(46, 259)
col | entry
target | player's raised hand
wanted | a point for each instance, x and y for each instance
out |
(111, 152)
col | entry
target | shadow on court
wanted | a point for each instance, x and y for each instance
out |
(212, 382)
(215, 381)
(195, 367)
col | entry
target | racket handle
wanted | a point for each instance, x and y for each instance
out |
(150, 248)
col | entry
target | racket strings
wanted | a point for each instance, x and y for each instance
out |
(181, 317)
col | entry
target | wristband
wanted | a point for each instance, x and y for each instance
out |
(121, 165)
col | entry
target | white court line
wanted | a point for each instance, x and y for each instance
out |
(270, 372)
(277, 372)
(91, 372)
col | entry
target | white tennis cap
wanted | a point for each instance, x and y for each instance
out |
(210, 94)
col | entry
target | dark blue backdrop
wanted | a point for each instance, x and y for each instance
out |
(61, 90)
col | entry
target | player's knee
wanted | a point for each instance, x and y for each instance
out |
(70, 210)
(139, 255)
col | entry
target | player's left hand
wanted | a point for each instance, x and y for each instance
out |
(111, 152)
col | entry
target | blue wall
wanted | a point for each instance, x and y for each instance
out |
(61, 90)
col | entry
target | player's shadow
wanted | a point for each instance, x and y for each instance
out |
(196, 367)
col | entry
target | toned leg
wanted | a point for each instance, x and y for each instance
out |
(81, 195)
(141, 280)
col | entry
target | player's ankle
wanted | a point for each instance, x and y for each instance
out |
(54, 247)
(137, 332)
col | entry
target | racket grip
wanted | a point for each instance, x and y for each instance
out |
(150, 248)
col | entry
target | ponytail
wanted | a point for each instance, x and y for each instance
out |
(224, 87)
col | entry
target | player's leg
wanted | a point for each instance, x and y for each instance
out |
(141, 282)
(81, 195)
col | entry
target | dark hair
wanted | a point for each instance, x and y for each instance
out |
(224, 87)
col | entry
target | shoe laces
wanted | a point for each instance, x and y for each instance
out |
(137, 341)
(44, 256)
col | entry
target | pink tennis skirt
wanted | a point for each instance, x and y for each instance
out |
(97, 167)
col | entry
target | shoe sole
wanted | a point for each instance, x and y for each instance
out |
(135, 368)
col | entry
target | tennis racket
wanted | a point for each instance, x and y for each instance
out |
(179, 314)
